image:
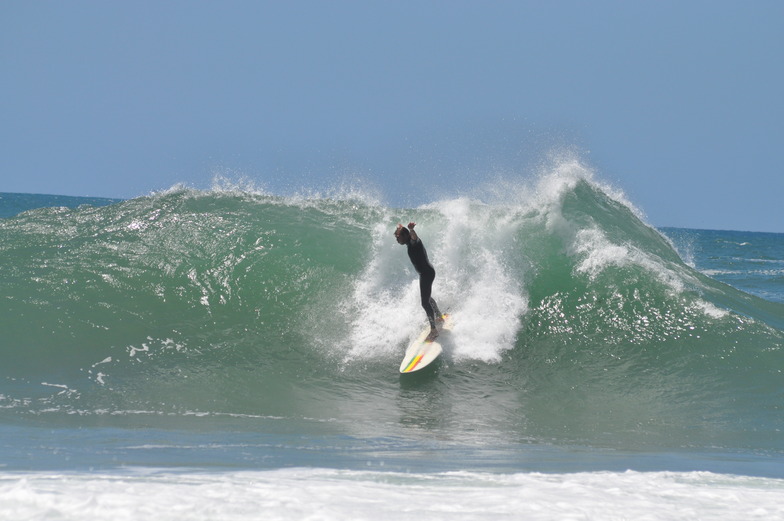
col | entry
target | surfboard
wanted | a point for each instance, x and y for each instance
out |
(421, 352)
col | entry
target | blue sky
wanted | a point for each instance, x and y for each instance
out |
(678, 103)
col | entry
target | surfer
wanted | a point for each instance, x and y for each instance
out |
(427, 274)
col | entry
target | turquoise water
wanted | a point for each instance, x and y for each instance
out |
(13, 204)
(231, 330)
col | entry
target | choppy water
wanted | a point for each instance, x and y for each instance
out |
(239, 333)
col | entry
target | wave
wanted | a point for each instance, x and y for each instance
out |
(575, 320)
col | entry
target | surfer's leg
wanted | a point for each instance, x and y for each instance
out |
(436, 311)
(425, 289)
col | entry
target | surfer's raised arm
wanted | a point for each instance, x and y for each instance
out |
(404, 235)
(411, 231)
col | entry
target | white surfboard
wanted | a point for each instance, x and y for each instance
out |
(422, 352)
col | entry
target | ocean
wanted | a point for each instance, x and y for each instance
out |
(233, 354)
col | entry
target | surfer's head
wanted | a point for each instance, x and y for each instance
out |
(402, 235)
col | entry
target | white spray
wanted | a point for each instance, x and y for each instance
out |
(466, 243)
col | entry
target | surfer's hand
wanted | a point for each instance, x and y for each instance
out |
(411, 226)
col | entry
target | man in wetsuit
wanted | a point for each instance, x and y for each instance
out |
(418, 256)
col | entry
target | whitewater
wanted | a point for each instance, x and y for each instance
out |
(232, 354)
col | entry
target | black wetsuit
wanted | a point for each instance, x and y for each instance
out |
(427, 274)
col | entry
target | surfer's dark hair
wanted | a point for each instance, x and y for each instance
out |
(401, 230)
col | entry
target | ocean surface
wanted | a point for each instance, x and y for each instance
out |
(233, 354)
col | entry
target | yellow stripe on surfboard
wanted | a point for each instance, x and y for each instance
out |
(413, 364)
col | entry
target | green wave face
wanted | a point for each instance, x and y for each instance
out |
(574, 320)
